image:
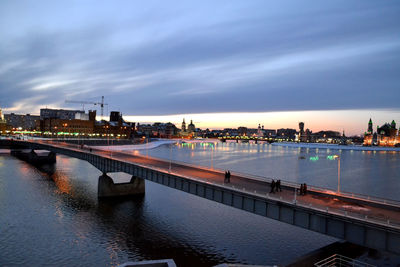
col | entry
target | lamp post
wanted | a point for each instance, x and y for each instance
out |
(65, 125)
(338, 173)
(108, 136)
(170, 157)
(333, 157)
(212, 157)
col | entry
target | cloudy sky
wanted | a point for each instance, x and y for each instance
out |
(331, 64)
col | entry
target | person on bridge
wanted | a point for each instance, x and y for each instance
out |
(272, 186)
(278, 186)
(226, 177)
(229, 176)
(301, 189)
(305, 188)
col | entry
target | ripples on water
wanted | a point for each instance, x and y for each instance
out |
(51, 216)
(56, 219)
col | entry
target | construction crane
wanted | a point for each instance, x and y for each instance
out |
(102, 104)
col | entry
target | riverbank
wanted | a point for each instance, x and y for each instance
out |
(336, 147)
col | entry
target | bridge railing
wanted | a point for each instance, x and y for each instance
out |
(340, 260)
(264, 179)
(335, 211)
(295, 185)
(293, 201)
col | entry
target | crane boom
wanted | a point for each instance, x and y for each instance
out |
(91, 103)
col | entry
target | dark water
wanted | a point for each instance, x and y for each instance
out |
(362, 172)
(57, 220)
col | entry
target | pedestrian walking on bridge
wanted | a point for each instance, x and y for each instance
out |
(278, 186)
(272, 186)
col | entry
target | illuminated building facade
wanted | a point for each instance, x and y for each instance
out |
(188, 132)
(3, 125)
(286, 134)
(191, 128)
(183, 128)
(55, 123)
(386, 135)
(115, 128)
(21, 122)
(55, 127)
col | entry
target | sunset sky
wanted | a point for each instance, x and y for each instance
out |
(331, 64)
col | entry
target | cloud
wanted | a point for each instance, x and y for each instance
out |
(240, 57)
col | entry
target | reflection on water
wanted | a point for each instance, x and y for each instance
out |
(363, 172)
(55, 218)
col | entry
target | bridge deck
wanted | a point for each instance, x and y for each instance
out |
(328, 201)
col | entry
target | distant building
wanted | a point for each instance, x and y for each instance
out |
(115, 116)
(286, 134)
(302, 137)
(260, 131)
(269, 133)
(158, 129)
(188, 132)
(55, 122)
(386, 135)
(191, 127)
(183, 128)
(55, 127)
(242, 131)
(20, 121)
(76, 123)
(63, 114)
(3, 125)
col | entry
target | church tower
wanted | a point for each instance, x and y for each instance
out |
(183, 125)
(393, 124)
(370, 126)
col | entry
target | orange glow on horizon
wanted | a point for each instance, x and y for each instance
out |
(353, 122)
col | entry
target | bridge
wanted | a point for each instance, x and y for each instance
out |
(367, 221)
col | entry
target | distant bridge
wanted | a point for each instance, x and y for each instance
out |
(370, 222)
(244, 139)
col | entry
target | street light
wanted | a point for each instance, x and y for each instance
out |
(170, 157)
(333, 157)
(65, 125)
(338, 173)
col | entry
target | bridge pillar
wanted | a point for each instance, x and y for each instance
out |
(35, 158)
(107, 187)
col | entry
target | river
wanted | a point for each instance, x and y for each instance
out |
(51, 216)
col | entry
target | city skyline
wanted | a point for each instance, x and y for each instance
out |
(273, 120)
(241, 63)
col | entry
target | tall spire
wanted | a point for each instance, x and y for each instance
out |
(370, 130)
(183, 125)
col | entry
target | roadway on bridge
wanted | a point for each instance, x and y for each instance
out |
(326, 201)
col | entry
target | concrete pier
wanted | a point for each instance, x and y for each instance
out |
(38, 157)
(107, 188)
